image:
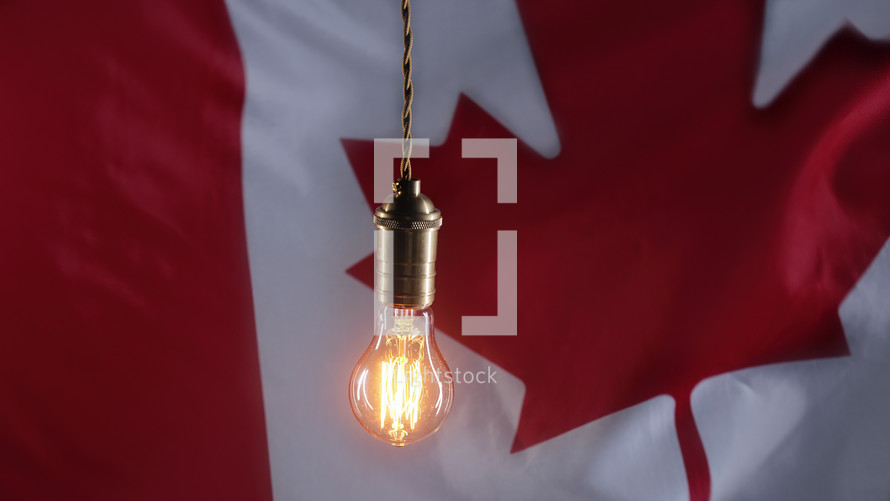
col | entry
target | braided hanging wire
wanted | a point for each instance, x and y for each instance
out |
(408, 90)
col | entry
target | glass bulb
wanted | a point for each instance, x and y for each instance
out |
(401, 388)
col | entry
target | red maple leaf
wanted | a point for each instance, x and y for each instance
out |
(680, 233)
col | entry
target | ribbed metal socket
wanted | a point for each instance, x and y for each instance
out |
(407, 230)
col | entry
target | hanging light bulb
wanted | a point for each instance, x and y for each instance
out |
(401, 389)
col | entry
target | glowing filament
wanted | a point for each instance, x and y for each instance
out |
(401, 378)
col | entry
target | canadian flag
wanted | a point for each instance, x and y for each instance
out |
(702, 218)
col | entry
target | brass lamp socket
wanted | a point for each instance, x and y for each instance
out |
(405, 260)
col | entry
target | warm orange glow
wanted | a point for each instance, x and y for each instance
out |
(400, 389)
(402, 379)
